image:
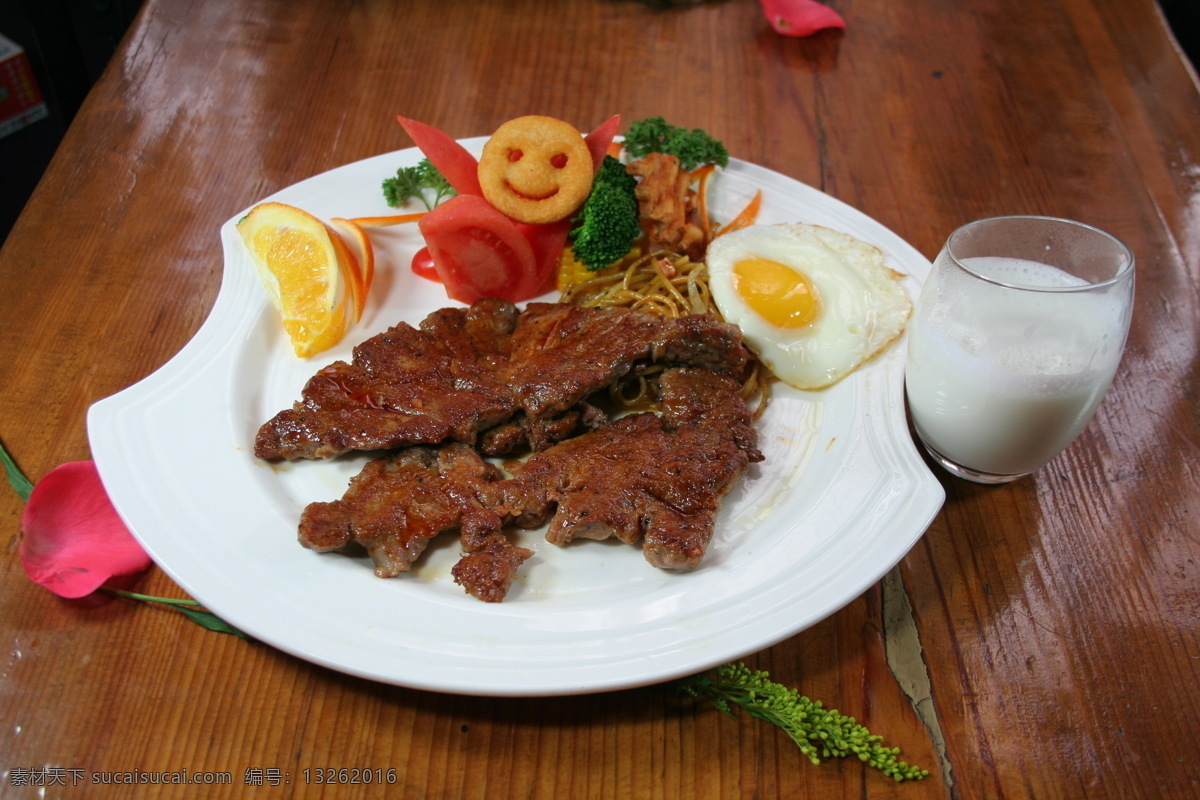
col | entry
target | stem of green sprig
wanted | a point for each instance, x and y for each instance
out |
(16, 479)
(189, 608)
(169, 601)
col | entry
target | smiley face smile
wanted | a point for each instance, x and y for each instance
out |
(530, 196)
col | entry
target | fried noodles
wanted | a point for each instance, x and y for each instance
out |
(670, 285)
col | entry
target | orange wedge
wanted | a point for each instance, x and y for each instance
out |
(311, 276)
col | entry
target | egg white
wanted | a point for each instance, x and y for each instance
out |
(862, 306)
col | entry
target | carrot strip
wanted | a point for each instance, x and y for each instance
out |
(702, 174)
(383, 222)
(747, 217)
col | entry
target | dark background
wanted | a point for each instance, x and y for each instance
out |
(69, 43)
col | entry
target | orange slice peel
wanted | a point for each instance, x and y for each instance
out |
(363, 263)
(311, 276)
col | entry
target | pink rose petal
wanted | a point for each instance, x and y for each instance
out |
(801, 17)
(72, 538)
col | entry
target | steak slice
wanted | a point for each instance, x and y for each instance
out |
(561, 353)
(642, 477)
(522, 433)
(467, 370)
(701, 340)
(406, 386)
(697, 397)
(398, 503)
(488, 565)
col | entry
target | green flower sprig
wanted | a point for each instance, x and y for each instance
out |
(818, 732)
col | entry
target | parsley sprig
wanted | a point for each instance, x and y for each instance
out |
(818, 732)
(413, 181)
(693, 147)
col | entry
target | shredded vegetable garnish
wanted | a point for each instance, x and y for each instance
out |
(748, 216)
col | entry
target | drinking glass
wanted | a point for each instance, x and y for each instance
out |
(1016, 337)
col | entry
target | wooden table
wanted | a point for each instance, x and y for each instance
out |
(1043, 636)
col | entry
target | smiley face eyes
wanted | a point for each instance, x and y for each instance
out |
(558, 160)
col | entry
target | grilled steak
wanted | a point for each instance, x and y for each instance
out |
(464, 371)
(488, 565)
(405, 386)
(649, 477)
(489, 379)
(397, 503)
(561, 353)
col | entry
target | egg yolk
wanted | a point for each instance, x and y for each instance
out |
(777, 293)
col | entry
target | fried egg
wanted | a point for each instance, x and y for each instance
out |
(813, 303)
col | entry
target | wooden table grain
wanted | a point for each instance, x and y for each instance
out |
(1039, 641)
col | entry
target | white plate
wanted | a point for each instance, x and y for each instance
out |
(839, 500)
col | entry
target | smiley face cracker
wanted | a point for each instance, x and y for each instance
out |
(536, 169)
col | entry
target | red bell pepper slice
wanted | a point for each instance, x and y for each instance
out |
(547, 242)
(599, 139)
(422, 264)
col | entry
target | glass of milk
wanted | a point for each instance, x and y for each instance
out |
(1016, 336)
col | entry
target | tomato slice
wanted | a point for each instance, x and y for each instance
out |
(422, 265)
(547, 242)
(478, 252)
(453, 160)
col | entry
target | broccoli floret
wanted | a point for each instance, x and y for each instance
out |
(411, 181)
(607, 224)
(693, 148)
